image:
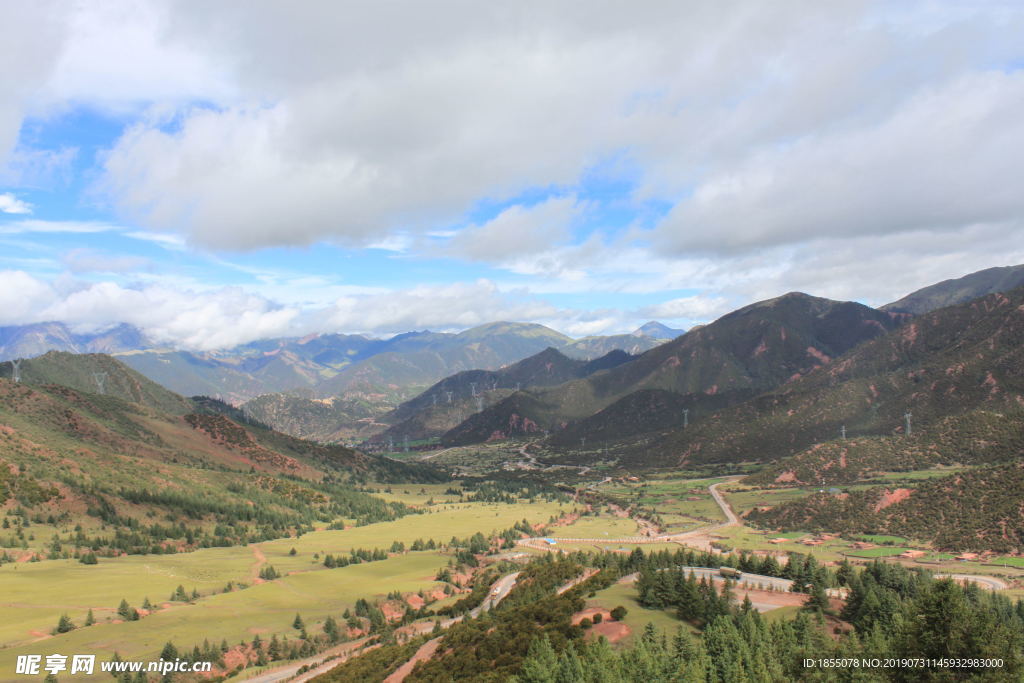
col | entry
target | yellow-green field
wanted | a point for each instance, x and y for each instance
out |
(36, 594)
(603, 526)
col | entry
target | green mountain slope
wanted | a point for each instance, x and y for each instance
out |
(450, 401)
(89, 373)
(941, 364)
(976, 437)
(141, 478)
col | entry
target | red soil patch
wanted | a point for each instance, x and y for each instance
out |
(815, 353)
(776, 598)
(589, 614)
(613, 631)
(909, 333)
(786, 476)
(761, 348)
(415, 601)
(235, 657)
(393, 611)
(892, 497)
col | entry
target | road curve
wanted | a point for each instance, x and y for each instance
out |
(989, 582)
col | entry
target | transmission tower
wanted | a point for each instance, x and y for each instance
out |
(434, 396)
(449, 394)
(907, 418)
(101, 379)
(842, 432)
(517, 386)
(686, 418)
(406, 443)
(479, 404)
(472, 386)
(16, 369)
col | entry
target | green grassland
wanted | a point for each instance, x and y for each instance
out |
(745, 498)
(678, 504)
(881, 539)
(877, 552)
(637, 616)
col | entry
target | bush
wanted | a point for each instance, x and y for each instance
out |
(619, 613)
(598, 618)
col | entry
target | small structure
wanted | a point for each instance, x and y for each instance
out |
(966, 557)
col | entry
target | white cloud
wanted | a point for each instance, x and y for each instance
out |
(86, 260)
(34, 225)
(11, 204)
(945, 160)
(365, 125)
(454, 306)
(694, 307)
(518, 232)
(165, 240)
(198, 320)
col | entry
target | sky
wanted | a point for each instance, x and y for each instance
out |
(219, 172)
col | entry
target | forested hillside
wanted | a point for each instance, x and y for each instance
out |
(976, 509)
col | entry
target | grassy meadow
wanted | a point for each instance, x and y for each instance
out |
(36, 594)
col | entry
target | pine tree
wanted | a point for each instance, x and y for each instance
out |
(331, 630)
(298, 624)
(124, 610)
(169, 653)
(64, 625)
(89, 618)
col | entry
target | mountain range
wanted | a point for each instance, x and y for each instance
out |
(739, 355)
(327, 365)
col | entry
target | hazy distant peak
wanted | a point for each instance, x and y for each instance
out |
(657, 330)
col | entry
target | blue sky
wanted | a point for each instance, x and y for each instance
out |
(338, 169)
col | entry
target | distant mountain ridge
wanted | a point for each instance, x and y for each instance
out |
(26, 341)
(753, 349)
(355, 366)
(959, 290)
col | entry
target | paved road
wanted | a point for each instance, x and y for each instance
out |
(499, 591)
(287, 671)
(989, 582)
